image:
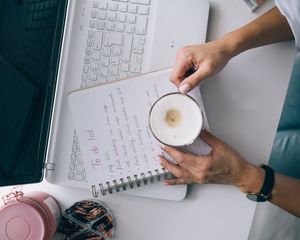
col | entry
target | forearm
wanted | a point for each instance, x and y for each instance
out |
(270, 28)
(285, 193)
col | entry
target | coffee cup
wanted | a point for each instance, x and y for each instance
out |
(176, 119)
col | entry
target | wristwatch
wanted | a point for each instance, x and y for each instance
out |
(265, 192)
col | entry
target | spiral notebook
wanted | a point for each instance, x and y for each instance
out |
(117, 146)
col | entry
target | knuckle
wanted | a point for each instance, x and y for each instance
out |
(182, 52)
(210, 66)
(180, 158)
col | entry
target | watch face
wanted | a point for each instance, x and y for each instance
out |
(256, 197)
(252, 197)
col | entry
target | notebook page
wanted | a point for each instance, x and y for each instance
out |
(112, 125)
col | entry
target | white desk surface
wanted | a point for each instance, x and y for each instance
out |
(243, 105)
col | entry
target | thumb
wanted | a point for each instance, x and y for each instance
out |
(193, 80)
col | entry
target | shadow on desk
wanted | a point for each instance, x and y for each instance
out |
(271, 222)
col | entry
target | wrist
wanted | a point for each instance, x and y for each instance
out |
(252, 179)
(242, 39)
(231, 43)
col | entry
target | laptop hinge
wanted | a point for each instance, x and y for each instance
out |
(49, 166)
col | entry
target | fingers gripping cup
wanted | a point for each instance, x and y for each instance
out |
(176, 119)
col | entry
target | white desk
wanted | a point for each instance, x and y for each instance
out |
(243, 105)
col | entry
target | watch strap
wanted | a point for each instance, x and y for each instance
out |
(268, 184)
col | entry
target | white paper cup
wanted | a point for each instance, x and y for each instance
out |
(176, 119)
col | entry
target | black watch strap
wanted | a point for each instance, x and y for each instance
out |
(268, 184)
(265, 193)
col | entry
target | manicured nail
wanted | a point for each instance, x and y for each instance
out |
(184, 88)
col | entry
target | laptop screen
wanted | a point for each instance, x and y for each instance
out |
(30, 36)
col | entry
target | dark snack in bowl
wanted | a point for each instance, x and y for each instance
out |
(87, 235)
(104, 225)
(68, 227)
(87, 220)
(87, 211)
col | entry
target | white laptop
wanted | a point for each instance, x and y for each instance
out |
(103, 41)
(108, 40)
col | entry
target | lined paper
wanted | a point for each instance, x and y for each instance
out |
(112, 125)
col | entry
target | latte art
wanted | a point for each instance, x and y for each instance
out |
(173, 117)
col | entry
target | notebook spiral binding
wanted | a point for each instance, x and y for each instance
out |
(131, 182)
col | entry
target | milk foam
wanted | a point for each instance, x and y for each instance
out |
(176, 119)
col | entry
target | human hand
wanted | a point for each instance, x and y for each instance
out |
(206, 59)
(223, 165)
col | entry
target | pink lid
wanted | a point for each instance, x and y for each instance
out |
(21, 221)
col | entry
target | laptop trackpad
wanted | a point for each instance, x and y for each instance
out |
(178, 25)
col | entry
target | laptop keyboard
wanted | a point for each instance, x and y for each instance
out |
(114, 50)
(76, 165)
(116, 39)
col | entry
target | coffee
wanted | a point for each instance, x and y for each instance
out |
(176, 119)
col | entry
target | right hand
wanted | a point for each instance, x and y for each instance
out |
(222, 165)
(206, 59)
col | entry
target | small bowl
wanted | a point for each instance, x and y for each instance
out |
(87, 219)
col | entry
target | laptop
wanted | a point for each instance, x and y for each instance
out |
(52, 47)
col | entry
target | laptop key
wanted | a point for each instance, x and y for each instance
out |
(91, 34)
(101, 14)
(85, 68)
(132, 8)
(141, 24)
(79, 177)
(124, 67)
(104, 72)
(95, 4)
(122, 7)
(94, 66)
(121, 17)
(106, 51)
(98, 40)
(116, 50)
(146, 2)
(84, 78)
(112, 6)
(110, 26)
(123, 75)
(70, 175)
(100, 24)
(135, 68)
(112, 38)
(93, 76)
(114, 71)
(127, 48)
(105, 61)
(96, 55)
(102, 4)
(144, 10)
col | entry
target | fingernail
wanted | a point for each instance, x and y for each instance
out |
(158, 159)
(184, 88)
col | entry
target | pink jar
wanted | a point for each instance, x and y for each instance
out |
(31, 216)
